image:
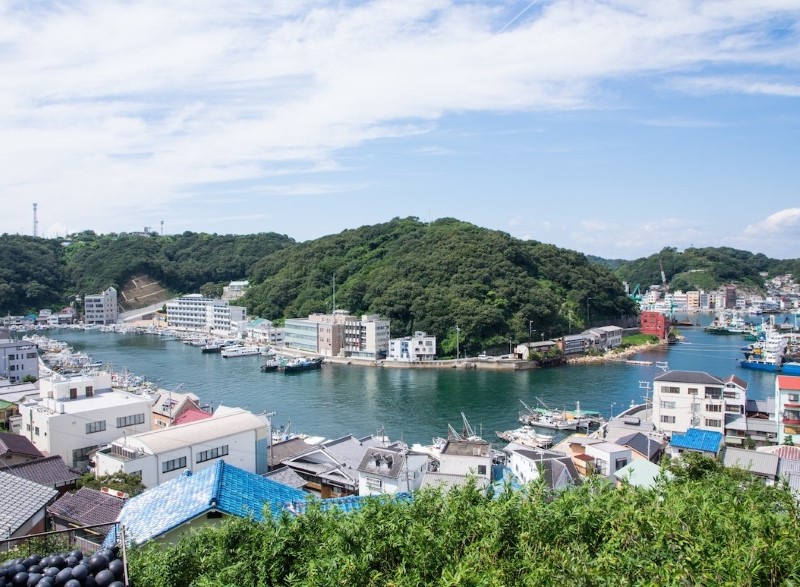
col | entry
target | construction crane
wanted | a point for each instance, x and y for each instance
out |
(665, 285)
(663, 277)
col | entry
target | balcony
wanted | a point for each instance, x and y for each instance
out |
(795, 405)
(791, 421)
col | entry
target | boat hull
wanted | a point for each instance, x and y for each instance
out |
(759, 366)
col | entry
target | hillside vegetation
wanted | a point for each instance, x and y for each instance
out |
(709, 526)
(705, 268)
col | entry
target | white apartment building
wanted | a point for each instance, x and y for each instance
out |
(339, 335)
(787, 406)
(695, 399)
(101, 308)
(201, 313)
(75, 415)
(367, 338)
(18, 358)
(237, 436)
(419, 347)
(264, 332)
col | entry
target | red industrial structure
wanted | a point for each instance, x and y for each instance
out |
(655, 323)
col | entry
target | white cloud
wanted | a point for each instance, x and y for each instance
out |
(785, 222)
(118, 107)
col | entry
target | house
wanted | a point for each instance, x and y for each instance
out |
(707, 442)
(760, 464)
(466, 458)
(232, 434)
(642, 446)
(262, 331)
(573, 344)
(16, 449)
(330, 469)
(531, 464)
(76, 414)
(193, 500)
(596, 456)
(421, 346)
(390, 471)
(49, 471)
(640, 473)
(169, 406)
(787, 406)
(695, 399)
(286, 449)
(604, 337)
(234, 290)
(24, 509)
(86, 507)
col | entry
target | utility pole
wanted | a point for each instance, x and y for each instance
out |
(457, 342)
(587, 311)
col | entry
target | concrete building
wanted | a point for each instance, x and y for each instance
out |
(531, 464)
(234, 435)
(75, 415)
(389, 471)
(203, 314)
(654, 323)
(339, 335)
(419, 347)
(234, 290)
(695, 399)
(263, 332)
(101, 308)
(604, 337)
(466, 457)
(18, 358)
(787, 405)
(693, 300)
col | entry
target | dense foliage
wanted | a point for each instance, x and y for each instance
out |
(708, 526)
(32, 274)
(706, 268)
(126, 482)
(437, 276)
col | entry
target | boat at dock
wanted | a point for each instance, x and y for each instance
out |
(270, 365)
(301, 364)
(527, 436)
(544, 417)
(239, 351)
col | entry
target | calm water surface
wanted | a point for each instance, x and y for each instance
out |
(415, 405)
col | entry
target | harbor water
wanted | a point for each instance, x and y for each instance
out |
(414, 405)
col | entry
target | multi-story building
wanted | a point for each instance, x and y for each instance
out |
(654, 323)
(264, 332)
(234, 290)
(234, 435)
(730, 296)
(75, 415)
(339, 335)
(101, 308)
(18, 358)
(695, 399)
(787, 405)
(201, 313)
(419, 347)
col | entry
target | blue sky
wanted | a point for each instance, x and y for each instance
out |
(613, 127)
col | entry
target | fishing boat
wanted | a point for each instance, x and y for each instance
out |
(301, 364)
(544, 417)
(270, 365)
(239, 351)
(212, 347)
(527, 436)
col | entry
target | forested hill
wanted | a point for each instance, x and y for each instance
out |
(38, 273)
(705, 268)
(434, 276)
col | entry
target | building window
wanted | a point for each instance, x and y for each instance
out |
(667, 419)
(713, 393)
(731, 394)
(73, 393)
(713, 407)
(80, 454)
(89, 391)
(713, 423)
(670, 389)
(173, 464)
(481, 469)
(620, 463)
(668, 405)
(374, 483)
(692, 391)
(93, 427)
(733, 408)
(36, 431)
(132, 420)
(214, 453)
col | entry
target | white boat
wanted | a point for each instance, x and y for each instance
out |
(239, 351)
(547, 418)
(527, 436)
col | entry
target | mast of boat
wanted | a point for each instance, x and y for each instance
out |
(527, 407)
(468, 430)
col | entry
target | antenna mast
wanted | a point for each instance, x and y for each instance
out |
(35, 221)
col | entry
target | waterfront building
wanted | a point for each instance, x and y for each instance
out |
(301, 334)
(234, 435)
(390, 471)
(234, 290)
(421, 346)
(596, 455)
(74, 415)
(367, 338)
(200, 313)
(339, 335)
(573, 344)
(787, 405)
(730, 296)
(680, 300)
(101, 308)
(654, 323)
(263, 332)
(604, 337)
(695, 399)
(18, 358)
(693, 301)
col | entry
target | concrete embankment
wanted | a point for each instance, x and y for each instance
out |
(615, 355)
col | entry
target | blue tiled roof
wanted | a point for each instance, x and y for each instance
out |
(696, 439)
(222, 487)
(346, 504)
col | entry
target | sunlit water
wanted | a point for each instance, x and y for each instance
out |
(415, 405)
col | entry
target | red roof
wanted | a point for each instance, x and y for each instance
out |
(789, 382)
(191, 415)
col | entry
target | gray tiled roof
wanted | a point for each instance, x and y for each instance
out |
(759, 463)
(21, 499)
(87, 507)
(641, 443)
(467, 448)
(383, 462)
(50, 471)
(699, 377)
(288, 449)
(287, 476)
(17, 444)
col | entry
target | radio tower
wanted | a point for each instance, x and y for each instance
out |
(35, 221)
(162, 228)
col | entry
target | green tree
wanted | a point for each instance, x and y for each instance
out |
(125, 482)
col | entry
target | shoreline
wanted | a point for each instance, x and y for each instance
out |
(611, 356)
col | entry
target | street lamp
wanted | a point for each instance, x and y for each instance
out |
(587, 311)
(457, 342)
(530, 332)
(612, 409)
